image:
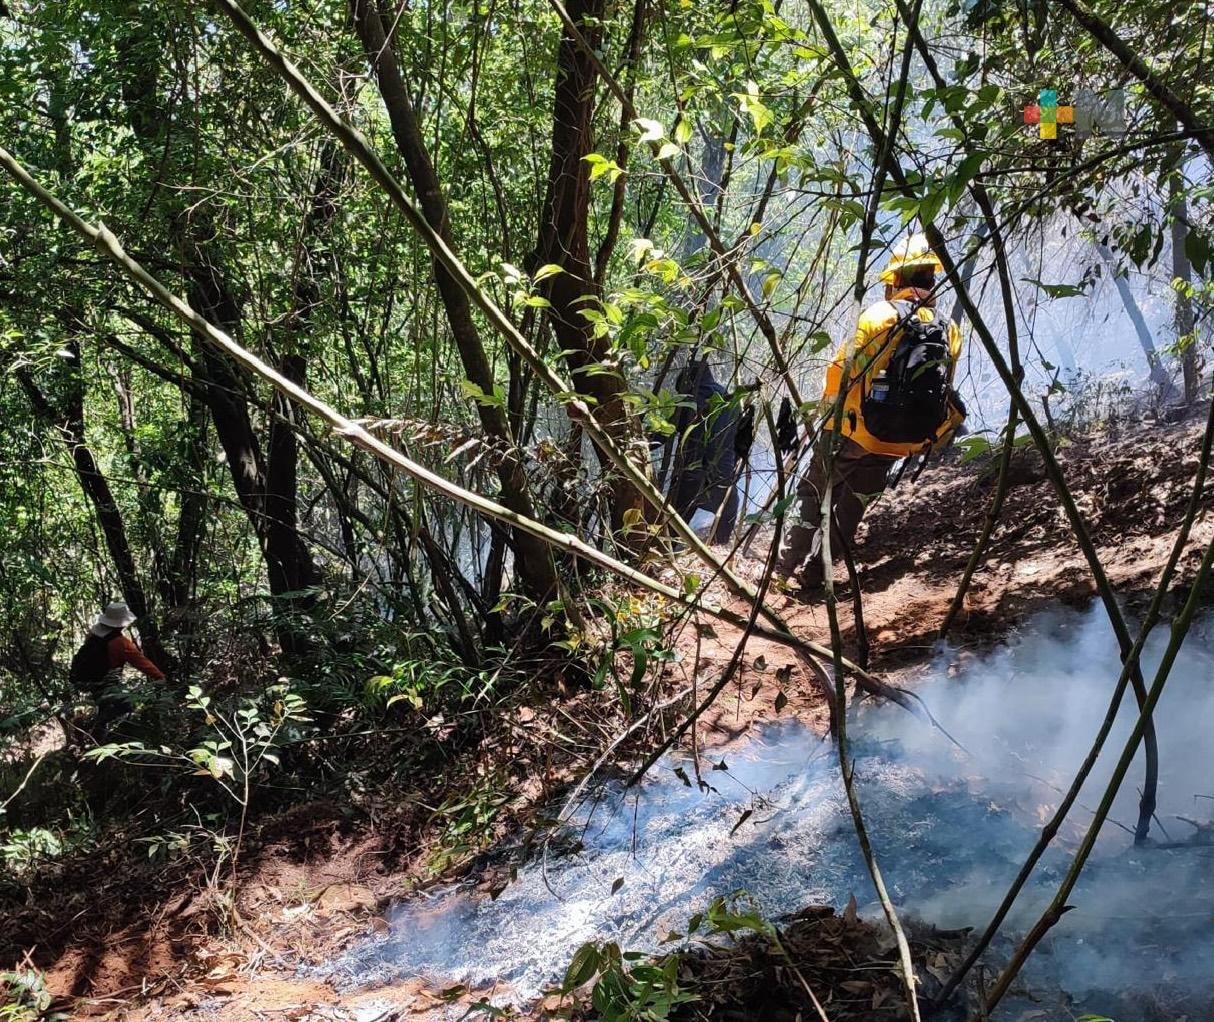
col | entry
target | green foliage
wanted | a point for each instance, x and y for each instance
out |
(464, 823)
(236, 745)
(630, 986)
(627, 986)
(25, 998)
(23, 849)
(634, 627)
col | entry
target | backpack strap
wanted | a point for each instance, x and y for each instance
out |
(906, 309)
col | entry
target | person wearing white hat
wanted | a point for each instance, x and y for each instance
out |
(897, 402)
(99, 661)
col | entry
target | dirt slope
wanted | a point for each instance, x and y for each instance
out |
(329, 883)
(1131, 486)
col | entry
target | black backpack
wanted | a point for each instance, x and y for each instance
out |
(91, 663)
(907, 401)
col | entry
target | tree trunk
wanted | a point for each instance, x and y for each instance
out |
(67, 416)
(282, 460)
(564, 241)
(1182, 271)
(149, 511)
(289, 565)
(1159, 375)
(533, 559)
(191, 520)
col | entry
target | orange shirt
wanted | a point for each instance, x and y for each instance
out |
(121, 651)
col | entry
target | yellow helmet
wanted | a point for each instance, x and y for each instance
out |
(913, 252)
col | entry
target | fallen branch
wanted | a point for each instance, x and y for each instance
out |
(21, 787)
(578, 410)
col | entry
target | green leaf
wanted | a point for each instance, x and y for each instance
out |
(931, 204)
(471, 390)
(546, 271)
(1197, 248)
(782, 505)
(582, 968)
(651, 130)
(1058, 290)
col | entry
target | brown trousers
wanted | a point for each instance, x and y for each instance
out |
(858, 479)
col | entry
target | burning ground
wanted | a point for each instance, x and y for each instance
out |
(321, 878)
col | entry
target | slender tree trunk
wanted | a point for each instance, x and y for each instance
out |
(1040, 439)
(533, 559)
(282, 483)
(708, 186)
(289, 564)
(67, 416)
(565, 242)
(1159, 375)
(191, 519)
(149, 511)
(282, 454)
(1182, 271)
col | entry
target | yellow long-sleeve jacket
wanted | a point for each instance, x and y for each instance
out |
(869, 352)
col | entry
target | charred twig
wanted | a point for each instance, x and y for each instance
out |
(731, 668)
(857, 604)
(574, 796)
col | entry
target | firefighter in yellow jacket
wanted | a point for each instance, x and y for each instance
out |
(899, 401)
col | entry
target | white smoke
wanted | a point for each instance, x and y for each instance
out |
(950, 828)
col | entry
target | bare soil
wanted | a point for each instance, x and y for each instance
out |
(133, 943)
(1131, 486)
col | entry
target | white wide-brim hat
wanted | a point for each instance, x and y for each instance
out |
(115, 615)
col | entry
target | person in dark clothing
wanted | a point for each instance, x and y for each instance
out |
(97, 666)
(703, 478)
